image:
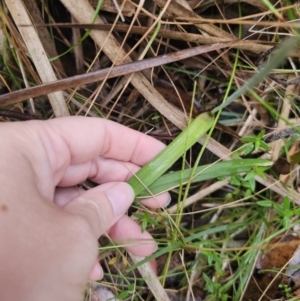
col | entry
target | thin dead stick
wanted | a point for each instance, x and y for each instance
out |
(150, 278)
(17, 96)
(198, 196)
(277, 145)
(38, 55)
(250, 45)
(290, 24)
(178, 10)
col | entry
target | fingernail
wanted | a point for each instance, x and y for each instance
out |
(121, 196)
(97, 272)
(169, 202)
(156, 248)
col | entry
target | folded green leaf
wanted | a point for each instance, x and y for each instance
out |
(202, 173)
(165, 159)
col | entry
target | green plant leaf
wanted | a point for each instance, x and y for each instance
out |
(165, 159)
(205, 172)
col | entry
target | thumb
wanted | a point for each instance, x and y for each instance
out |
(102, 206)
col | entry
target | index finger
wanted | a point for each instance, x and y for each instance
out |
(81, 139)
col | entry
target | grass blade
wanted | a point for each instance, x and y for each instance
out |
(204, 172)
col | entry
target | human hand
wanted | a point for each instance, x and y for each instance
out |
(48, 227)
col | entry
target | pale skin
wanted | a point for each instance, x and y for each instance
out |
(48, 226)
